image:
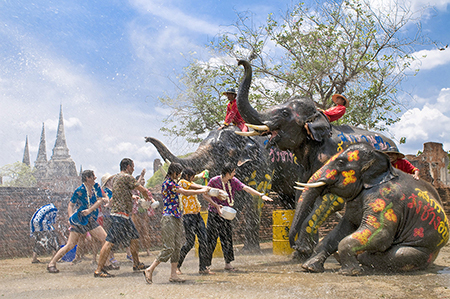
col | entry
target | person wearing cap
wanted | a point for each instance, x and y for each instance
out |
(83, 212)
(333, 113)
(233, 117)
(336, 112)
(398, 161)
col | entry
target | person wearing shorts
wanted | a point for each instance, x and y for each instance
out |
(122, 231)
(84, 204)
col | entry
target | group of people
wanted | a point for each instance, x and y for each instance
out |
(171, 223)
(181, 208)
(83, 211)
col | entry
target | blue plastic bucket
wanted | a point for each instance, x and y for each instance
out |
(70, 255)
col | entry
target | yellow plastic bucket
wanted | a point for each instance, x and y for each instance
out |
(218, 251)
(282, 220)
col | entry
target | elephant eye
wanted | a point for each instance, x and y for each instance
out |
(340, 163)
(285, 113)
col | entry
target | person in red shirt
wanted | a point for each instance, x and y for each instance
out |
(398, 161)
(336, 112)
(233, 116)
(333, 113)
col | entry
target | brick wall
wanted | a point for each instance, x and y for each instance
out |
(17, 205)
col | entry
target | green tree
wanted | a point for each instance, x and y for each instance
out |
(17, 175)
(334, 47)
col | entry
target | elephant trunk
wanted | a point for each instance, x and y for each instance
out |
(195, 161)
(304, 208)
(248, 113)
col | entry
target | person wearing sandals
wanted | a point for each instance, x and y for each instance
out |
(216, 225)
(122, 230)
(193, 222)
(83, 212)
(171, 224)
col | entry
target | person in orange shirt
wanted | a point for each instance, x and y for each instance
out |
(336, 112)
(233, 116)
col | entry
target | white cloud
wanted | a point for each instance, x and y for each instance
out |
(430, 123)
(429, 59)
(414, 5)
(172, 14)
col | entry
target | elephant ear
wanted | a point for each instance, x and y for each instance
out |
(377, 170)
(319, 126)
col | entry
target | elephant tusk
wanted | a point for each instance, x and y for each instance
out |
(258, 128)
(311, 185)
(253, 133)
(299, 188)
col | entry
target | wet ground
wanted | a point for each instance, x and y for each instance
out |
(260, 276)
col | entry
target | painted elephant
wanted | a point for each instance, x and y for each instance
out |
(391, 222)
(264, 169)
(285, 124)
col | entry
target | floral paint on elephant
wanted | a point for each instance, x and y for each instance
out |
(349, 177)
(426, 208)
(376, 141)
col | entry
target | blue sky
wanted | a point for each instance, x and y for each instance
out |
(107, 62)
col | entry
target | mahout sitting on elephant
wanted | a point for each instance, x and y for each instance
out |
(391, 222)
(264, 169)
(286, 125)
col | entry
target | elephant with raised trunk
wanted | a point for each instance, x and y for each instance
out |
(391, 222)
(264, 169)
(286, 126)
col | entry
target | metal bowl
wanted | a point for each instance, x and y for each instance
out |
(228, 213)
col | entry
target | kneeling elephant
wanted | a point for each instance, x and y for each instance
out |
(392, 222)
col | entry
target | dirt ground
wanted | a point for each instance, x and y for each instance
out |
(259, 276)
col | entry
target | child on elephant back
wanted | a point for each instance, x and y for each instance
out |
(398, 161)
(337, 111)
(333, 113)
(233, 116)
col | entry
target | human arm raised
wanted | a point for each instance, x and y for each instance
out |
(252, 191)
(144, 192)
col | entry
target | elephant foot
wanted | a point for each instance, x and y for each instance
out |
(351, 271)
(314, 266)
(303, 248)
(300, 257)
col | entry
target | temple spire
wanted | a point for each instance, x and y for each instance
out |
(61, 164)
(60, 151)
(41, 161)
(26, 153)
